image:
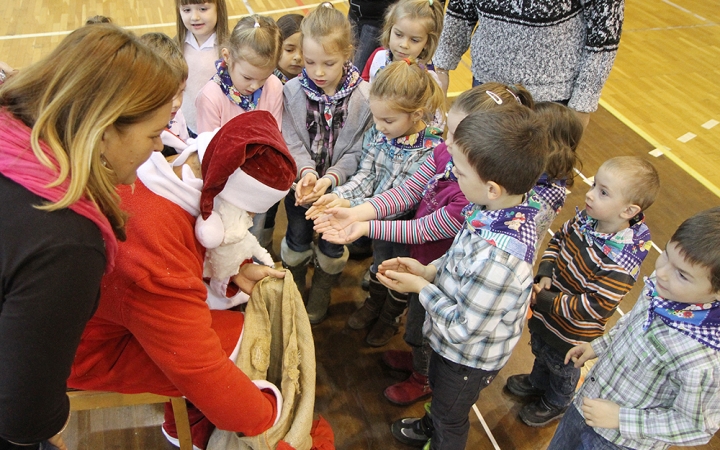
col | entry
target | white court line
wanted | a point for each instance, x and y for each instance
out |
(687, 137)
(684, 10)
(709, 124)
(485, 426)
(167, 24)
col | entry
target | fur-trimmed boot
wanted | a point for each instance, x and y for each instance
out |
(370, 310)
(389, 320)
(327, 272)
(296, 263)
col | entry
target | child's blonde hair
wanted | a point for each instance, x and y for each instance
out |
(99, 76)
(167, 49)
(642, 182)
(330, 28)
(564, 132)
(409, 87)
(221, 27)
(429, 12)
(97, 19)
(492, 94)
(259, 34)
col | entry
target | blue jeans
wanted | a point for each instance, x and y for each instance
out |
(367, 41)
(414, 335)
(455, 389)
(384, 250)
(299, 233)
(574, 434)
(550, 372)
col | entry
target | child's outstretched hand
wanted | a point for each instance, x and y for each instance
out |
(324, 203)
(601, 413)
(304, 188)
(579, 354)
(351, 233)
(402, 281)
(336, 218)
(545, 283)
(317, 191)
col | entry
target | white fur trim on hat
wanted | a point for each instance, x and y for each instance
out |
(263, 385)
(210, 232)
(245, 192)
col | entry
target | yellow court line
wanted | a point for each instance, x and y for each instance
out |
(666, 151)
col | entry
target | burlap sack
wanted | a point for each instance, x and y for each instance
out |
(277, 345)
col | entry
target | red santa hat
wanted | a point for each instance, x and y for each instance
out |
(246, 164)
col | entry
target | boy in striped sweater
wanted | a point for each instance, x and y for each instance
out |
(588, 267)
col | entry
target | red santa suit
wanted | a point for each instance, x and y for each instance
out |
(153, 331)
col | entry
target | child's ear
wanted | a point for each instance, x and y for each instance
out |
(416, 115)
(630, 211)
(225, 53)
(494, 190)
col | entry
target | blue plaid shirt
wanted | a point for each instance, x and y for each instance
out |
(666, 383)
(477, 305)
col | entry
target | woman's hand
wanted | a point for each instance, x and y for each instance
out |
(250, 274)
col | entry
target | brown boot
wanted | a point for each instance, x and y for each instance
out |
(370, 310)
(389, 321)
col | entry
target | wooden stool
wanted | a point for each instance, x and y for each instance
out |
(86, 400)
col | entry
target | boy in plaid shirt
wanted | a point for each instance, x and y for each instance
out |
(476, 295)
(657, 380)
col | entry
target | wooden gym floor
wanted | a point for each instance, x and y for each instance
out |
(663, 96)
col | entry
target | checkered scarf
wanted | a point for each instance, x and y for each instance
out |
(701, 322)
(222, 78)
(511, 229)
(326, 114)
(552, 191)
(626, 248)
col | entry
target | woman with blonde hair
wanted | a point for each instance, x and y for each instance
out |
(72, 126)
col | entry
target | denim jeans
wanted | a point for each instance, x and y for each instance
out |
(367, 41)
(384, 250)
(270, 216)
(414, 335)
(455, 389)
(550, 372)
(300, 231)
(574, 434)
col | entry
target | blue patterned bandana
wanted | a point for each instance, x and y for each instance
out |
(627, 248)
(552, 191)
(701, 321)
(512, 229)
(222, 78)
(281, 76)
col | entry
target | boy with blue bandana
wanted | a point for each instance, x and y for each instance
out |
(657, 380)
(590, 264)
(476, 295)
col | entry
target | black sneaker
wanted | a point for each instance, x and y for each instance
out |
(540, 413)
(520, 386)
(410, 431)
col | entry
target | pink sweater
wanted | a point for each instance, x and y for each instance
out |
(214, 109)
(201, 67)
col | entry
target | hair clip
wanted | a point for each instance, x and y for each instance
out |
(511, 90)
(496, 98)
(431, 2)
(407, 60)
(327, 5)
(257, 24)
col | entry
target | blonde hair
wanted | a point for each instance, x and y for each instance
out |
(259, 34)
(167, 49)
(409, 87)
(490, 95)
(641, 180)
(429, 12)
(564, 133)
(330, 28)
(221, 27)
(97, 19)
(99, 76)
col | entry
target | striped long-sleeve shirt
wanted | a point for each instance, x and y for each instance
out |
(588, 282)
(437, 195)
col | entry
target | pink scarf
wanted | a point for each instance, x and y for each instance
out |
(18, 162)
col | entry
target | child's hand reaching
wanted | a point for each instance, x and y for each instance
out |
(324, 203)
(351, 233)
(545, 283)
(579, 354)
(405, 274)
(336, 219)
(601, 413)
(310, 189)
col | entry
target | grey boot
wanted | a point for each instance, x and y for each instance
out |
(296, 263)
(327, 272)
(389, 321)
(370, 310)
